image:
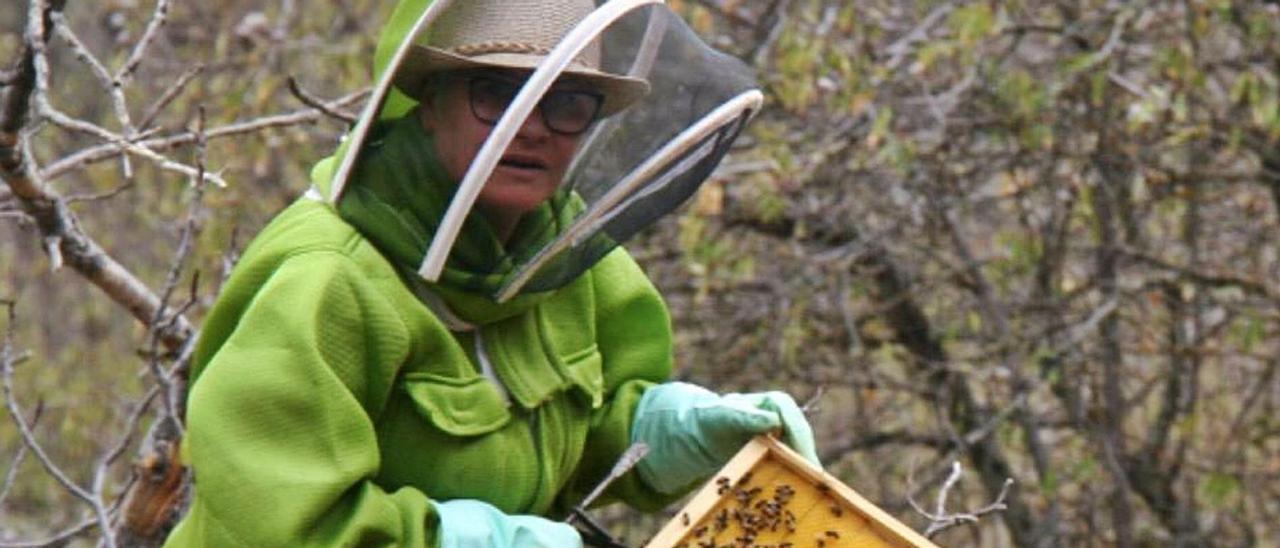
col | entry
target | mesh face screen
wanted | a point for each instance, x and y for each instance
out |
(598, 188)
(689, 81)
(607, 227)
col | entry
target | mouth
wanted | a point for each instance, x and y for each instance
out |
(522, 162)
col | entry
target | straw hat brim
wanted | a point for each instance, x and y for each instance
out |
(420, 62)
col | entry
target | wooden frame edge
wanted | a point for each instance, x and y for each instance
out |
(708, 496)
(760, 447)
(881, 521)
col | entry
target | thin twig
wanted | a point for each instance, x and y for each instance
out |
(764, 49)
(117, 141)
(947, 484)
(158, 18)
(12, 474)
(1212, 279)
(903, 46)
(59, 539)
(57, 222)
(810, 406)
(104, 152)
(314, 102)
(52, 239)
(100, 196)
(47, 111)
(941, 520)
(1127, 84)
(190, 231)
(28, 438)
(131, 426)
(182, 363)
(113, 86)
(1108, 47)
(168, 96)
(21, 454)
(177, 371)
(80, 50)
(192, 300)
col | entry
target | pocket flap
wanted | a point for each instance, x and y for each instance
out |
(584, 373)
(459, 406)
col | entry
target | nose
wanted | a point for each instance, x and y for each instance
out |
(534, 127)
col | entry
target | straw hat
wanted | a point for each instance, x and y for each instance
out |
(515, 34)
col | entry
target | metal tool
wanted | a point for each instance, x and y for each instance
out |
(594, 534)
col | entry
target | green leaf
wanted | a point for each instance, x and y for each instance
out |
(1245, 90)
(1078, 62)
(1252, 333)
(931, 53)
(974, 321)
(1049, 484)
(972, 22)
(1085, 469)
(1218, 487)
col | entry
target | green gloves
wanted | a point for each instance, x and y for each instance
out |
(692, 432)
(466, 523)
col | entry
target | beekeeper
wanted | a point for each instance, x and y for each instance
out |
(346, 393)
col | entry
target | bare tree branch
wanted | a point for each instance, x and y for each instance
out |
(58, 539)
(768, 30)
(940, 519)
(318, 104)
(40, 96)
(130, 66)
(113, 86)
(28, 438)
(99, 196)
(900, 49)
(20, 455)
(58, 224)
(1258, 288)
(167, 97)
(130, 430)
(103, 152)
(190, 230)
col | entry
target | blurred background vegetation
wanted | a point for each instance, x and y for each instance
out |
(1037, 237)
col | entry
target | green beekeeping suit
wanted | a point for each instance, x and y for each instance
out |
(338, 398)
(331, 402)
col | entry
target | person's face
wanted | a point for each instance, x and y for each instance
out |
(460, 111)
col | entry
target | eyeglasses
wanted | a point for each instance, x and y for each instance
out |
(566, 112)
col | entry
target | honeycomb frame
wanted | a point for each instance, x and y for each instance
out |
(768, 496)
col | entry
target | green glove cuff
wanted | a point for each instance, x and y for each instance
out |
(692, 432)
(466, 523)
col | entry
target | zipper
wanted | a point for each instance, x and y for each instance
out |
(486, 368)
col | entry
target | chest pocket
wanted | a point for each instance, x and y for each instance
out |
(585, 376)
(541, 354)
(462, 407)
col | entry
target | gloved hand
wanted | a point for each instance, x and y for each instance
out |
(692, 432)
(466, 523)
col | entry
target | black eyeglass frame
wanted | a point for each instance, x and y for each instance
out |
(473, 79)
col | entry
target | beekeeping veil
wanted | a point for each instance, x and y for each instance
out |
(671, 108)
